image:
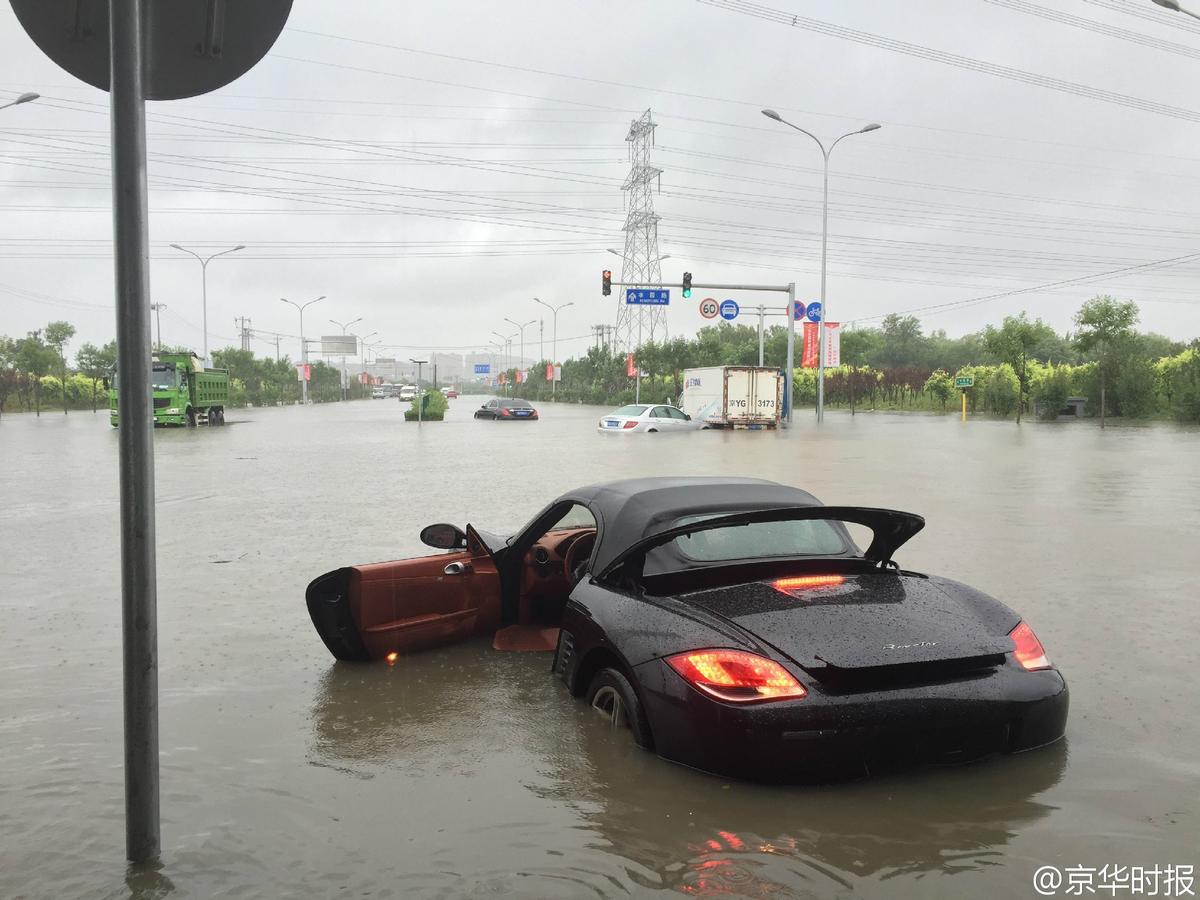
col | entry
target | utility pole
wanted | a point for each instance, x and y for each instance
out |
(554, 346)
(243, 325)
(300, 307)
(158, 320)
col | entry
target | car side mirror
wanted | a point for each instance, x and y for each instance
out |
(444, 537)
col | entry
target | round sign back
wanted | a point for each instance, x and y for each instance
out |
(191, 46)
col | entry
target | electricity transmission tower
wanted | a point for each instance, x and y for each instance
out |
(641, 262)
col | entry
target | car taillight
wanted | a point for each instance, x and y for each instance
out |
(630, 425)
(1028, 649)
(736, 676)
(797, 583)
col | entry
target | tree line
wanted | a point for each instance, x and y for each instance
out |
(1015, 364)
(896, 365)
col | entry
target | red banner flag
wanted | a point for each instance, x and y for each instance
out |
(630, 368)
(549, 371)
(808, 359)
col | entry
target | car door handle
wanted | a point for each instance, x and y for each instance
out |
(457, 568)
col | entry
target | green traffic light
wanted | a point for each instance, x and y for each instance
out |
(687, 292)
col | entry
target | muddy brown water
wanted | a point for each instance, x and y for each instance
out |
(467, 772)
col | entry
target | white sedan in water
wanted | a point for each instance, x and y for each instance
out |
(647, 417)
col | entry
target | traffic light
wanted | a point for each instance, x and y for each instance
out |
(687, 284)
(607, 282)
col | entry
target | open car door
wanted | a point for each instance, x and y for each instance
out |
(369, 611)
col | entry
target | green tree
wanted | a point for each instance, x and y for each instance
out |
(1014, 343)
(95, 363)
(901, 342)
(57, 335)
(1104, 323)
(35, 359)
(10, 375)
(940, 386)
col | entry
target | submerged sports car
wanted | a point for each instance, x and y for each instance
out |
(731, 624)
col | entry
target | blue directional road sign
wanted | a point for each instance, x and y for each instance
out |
(814, 311)
(648, 296)
(483, 369)
(729, 310)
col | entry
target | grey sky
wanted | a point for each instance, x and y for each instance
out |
(435, 196)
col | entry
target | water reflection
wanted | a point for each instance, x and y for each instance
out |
(658, 825)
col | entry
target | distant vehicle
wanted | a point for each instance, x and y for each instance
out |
(408, 392)
(184, 391)
(648, 418)
(506, 408)
(379, 394)
(449, 393)
(733, 396)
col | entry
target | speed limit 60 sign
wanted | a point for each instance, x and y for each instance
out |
(709, 308)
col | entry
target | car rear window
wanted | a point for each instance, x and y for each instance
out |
(516, 404)
(630, 410)
(759, 540)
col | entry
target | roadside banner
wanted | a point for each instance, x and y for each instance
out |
(810, 357)
(553, 372)
(522, 376)
(304, 372)
(833, 344)
(630, 368)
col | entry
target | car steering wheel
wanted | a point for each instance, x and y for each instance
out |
(576, 557)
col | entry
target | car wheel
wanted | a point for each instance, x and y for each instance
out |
(612, 696)
(651, 431)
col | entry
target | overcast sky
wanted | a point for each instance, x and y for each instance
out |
(431, 167)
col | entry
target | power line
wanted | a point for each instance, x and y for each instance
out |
(779, 17)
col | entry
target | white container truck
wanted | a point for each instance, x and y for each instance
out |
(733, 396)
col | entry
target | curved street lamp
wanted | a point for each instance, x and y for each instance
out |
(303, 345)
(771, 114)
(204, 283)
(554, 340)
(24, 98)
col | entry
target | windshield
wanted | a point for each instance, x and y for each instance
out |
(630, 411)
(163, 377)
(759, 540)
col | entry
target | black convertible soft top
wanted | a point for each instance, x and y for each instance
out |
(633, 512)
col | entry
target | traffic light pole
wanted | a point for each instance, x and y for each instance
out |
(790, 311)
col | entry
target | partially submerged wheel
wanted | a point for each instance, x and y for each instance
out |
(612, 696)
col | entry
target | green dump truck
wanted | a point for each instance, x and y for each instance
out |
(185, 393)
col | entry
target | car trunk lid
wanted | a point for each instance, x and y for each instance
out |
(863, 630)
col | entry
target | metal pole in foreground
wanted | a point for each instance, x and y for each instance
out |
(790, 375)
(760, 335)
(139, 616)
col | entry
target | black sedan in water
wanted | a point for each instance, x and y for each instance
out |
(506, 409)
(730, 624)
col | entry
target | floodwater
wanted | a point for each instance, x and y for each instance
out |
(467, 772)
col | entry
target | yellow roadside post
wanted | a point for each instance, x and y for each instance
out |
(963, 382)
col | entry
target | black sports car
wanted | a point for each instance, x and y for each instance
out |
(506, 409)
(731, 624)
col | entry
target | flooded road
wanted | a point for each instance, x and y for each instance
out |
(470, 772)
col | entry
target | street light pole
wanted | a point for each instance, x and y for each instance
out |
(24, 98)
(1172, 5)
(554, 339)
(363, 341)
(521, 359)
(771, 114)
(303, 344)
(344, 326)
(204, 284)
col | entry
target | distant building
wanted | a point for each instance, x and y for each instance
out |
(1072, 410)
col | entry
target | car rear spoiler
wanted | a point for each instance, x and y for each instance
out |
(890, 528)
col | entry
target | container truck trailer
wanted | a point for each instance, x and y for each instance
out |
(733, 396)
